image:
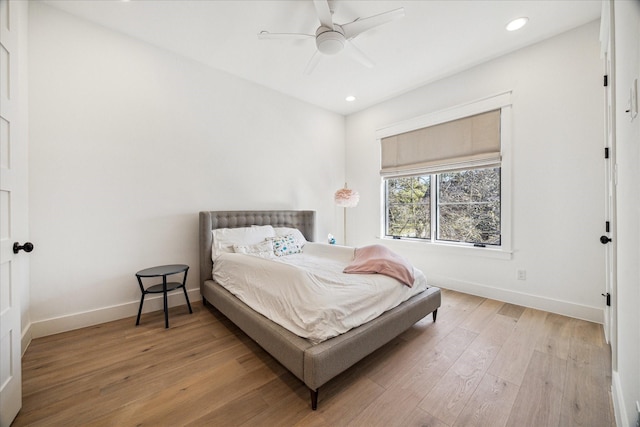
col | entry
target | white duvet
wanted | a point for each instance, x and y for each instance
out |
(308, 293)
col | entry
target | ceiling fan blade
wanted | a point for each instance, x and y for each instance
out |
(358, 26)
(324, 13)
(312, 63)
(266, 35)
(353, 51)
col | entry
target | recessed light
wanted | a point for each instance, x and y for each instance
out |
(517, 23)
(350, 98)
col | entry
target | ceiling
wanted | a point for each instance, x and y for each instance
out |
(434, 39)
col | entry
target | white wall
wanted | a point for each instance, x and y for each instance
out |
(558, 176)
(128, 142)
(626, 375)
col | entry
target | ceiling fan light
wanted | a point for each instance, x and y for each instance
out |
(330, 42)
(517, 23)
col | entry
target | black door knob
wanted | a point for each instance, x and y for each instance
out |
(604, 240)
(27, 247)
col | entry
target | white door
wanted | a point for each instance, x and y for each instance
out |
(608, 51)
(13, 209)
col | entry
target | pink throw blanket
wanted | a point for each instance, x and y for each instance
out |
(380, 259)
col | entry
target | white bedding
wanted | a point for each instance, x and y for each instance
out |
(308, 293)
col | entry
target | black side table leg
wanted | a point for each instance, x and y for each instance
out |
(140, 309)
(166, 308)
(184, 288)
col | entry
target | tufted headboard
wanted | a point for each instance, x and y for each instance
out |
(210, 220)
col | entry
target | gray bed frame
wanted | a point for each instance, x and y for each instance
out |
(313, 364)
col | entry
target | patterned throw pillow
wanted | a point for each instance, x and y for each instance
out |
(297, 234)
(285, 245)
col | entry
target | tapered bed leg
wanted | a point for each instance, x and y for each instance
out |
(314, 399)
(204, 302)
(435, 313)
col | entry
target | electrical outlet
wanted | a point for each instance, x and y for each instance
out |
(522, 274)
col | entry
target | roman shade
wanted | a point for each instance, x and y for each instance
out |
(465, 143)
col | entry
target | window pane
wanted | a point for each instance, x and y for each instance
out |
(469, 206)
(409, 207)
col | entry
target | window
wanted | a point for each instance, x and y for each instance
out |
(409, 207)
(467, 207)
(445, 182)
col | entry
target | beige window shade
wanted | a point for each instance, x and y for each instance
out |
(459, 144)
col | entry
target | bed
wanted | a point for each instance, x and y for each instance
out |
(313, 363)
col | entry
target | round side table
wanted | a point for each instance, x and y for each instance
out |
(164, 287)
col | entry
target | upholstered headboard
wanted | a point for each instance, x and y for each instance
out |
(210, 220)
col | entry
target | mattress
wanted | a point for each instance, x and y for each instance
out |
(308, 293)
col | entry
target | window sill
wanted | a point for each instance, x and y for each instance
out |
(454, 249)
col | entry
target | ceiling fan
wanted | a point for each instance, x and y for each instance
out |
(332, 38)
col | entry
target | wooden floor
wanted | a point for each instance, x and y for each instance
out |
(483, 363)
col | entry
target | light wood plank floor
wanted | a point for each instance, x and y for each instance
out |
(483, 363)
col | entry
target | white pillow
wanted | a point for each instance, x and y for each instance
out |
(225, 238)
(262, 249)
(297, 234)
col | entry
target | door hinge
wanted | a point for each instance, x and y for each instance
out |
(606, 152)
(606, 80)
(607, 226)
(608, 297)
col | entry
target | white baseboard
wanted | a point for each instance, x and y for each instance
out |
(70, 322)
(592, 314)
(622, 416)
(618, 400)
(26, 338)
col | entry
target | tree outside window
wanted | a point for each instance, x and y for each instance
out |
(467, 206)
